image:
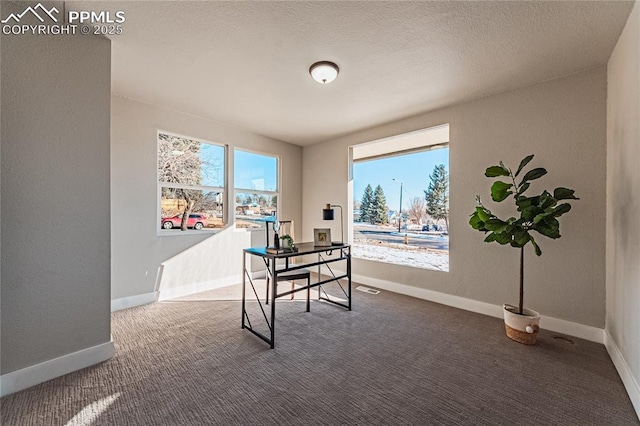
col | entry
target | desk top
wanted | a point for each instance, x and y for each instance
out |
(303, 248)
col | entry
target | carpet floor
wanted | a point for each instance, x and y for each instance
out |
(393, 360)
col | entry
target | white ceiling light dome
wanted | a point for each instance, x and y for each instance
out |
(324, 72)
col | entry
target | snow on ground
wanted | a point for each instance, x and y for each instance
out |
(401, 254)
(436, 236)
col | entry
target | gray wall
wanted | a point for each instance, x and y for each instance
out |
(55, 196)
(562, 122)
(194, 261)
(623, 202)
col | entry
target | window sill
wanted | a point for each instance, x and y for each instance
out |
(177, 232)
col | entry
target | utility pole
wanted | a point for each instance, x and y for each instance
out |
(400, 210)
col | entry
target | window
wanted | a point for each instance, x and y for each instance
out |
(190, 184)
(401, 200)
(256, 188)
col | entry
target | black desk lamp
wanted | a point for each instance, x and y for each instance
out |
(327, 214)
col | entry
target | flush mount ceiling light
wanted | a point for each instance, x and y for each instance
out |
(324, 72)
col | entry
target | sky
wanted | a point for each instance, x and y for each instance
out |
(251, 171)
(212, 155)
(412, 170)
(259, 172)
(255, 171)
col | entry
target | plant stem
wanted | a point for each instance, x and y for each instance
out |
(515, 186)
(521, 301)
(521, 305)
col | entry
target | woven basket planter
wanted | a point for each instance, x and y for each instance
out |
(522, 328)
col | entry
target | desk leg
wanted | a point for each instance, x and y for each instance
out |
(244, 280)
(319, 275)
(274, 291)
(349, 275)
(267, 286)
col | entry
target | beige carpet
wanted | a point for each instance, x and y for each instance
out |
(393, 360)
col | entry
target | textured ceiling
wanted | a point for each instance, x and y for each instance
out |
(246, 63)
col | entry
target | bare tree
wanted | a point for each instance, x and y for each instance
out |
(418, 209)
(179, 161)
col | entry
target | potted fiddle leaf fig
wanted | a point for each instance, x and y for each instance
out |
(538, 213)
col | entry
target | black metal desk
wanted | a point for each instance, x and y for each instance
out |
(341, 253)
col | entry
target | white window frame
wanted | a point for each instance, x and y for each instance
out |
(223, 190)
(276, 193)
(427, 139)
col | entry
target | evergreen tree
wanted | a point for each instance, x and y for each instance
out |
(379, 207)
(366, 204)
(437, 195)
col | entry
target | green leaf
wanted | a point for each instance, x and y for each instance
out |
(524, 201)
(561, 209)
(533, 174)
(540, 217)
(523, 187)
(535, 246)
(499, 238)
(500, 190)
(495, 225)
(495, 171)
(529, 213)
(549, 227)
(523, 163)
(564, 194)
(490, 238)
(546, 201)
(503, 238)
(483, 213)
(520, 238)
(519, 223)
(476, 223)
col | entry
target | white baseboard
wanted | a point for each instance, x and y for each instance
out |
(171, 293)
(132, 301)
(581, 331)
(39, 373)
(186, 290)
(630, 383)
